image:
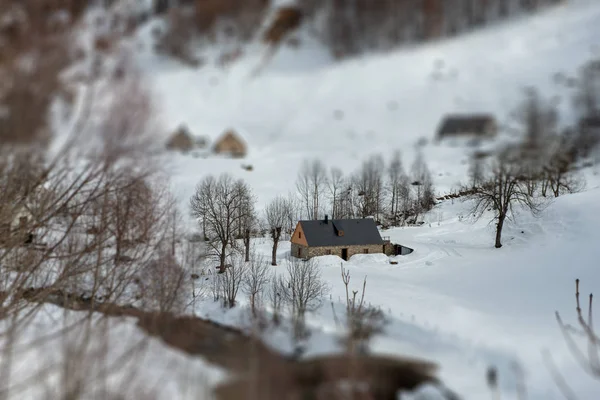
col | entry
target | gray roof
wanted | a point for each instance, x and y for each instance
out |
(357, 232)
(457, 124)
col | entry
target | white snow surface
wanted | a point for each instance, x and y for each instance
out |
(455, 300)
(460, 302)
(115, 359)
(301, 104)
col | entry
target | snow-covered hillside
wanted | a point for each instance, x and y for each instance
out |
(455, 299)
(466, 305)
(301, 104)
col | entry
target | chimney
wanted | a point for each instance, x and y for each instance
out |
(326, 218)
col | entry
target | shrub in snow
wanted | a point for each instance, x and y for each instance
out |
(163, 285)
(256, 279)
(363, 321)
(303, 290)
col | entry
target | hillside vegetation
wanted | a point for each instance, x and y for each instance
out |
(347, 27)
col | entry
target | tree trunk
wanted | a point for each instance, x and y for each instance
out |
(222, 257)
(247, 244)
(545, 184)
(118, 249)
(275, 235)
(274, 254)
(499, 226)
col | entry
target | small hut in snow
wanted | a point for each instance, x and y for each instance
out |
(231, 143)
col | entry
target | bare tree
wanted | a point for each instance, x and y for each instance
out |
(503, 189)
(256, 279)
(423, 184)
(248, 219)
(363, 320)
(222, 206)
(164, 285)
(277, 214)
(475, 170)
(215, 286)
(304, 289)
(586, 103)
(231, 281)
(294, 216)
(537, 118)
(587, 96)
(368, 182)
(71, 189)
(398, 185)
(588, 359)
(335, 184)
(311, 183)
(276, 293)
(559, 174)
(128, 203)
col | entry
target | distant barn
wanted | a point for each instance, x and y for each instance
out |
(181, 140)
(467, 125)
(232, 144)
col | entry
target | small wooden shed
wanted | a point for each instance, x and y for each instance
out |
(467, 125)
(181, 140)
(231, 143)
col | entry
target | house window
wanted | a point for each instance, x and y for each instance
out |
(328, 252)
(299, 235)
(365, 251)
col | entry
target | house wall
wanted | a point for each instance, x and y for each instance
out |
(352, 250)
(230, 144)
(299, 251)
(309, 252)
(298, 236)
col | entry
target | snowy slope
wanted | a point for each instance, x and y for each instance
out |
(455, 299)
(55, 351)
(289, 111)
(466, 305)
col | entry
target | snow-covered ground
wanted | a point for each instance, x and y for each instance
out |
(466, 305)
(301, 104)
(55, 351)
(456, 299)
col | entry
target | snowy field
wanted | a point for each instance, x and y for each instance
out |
(456, 299)
(466, 305)
(301, 104)
(55, 353)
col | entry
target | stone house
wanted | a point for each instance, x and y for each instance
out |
(467, 125)
(339, 237)
(231, 143)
